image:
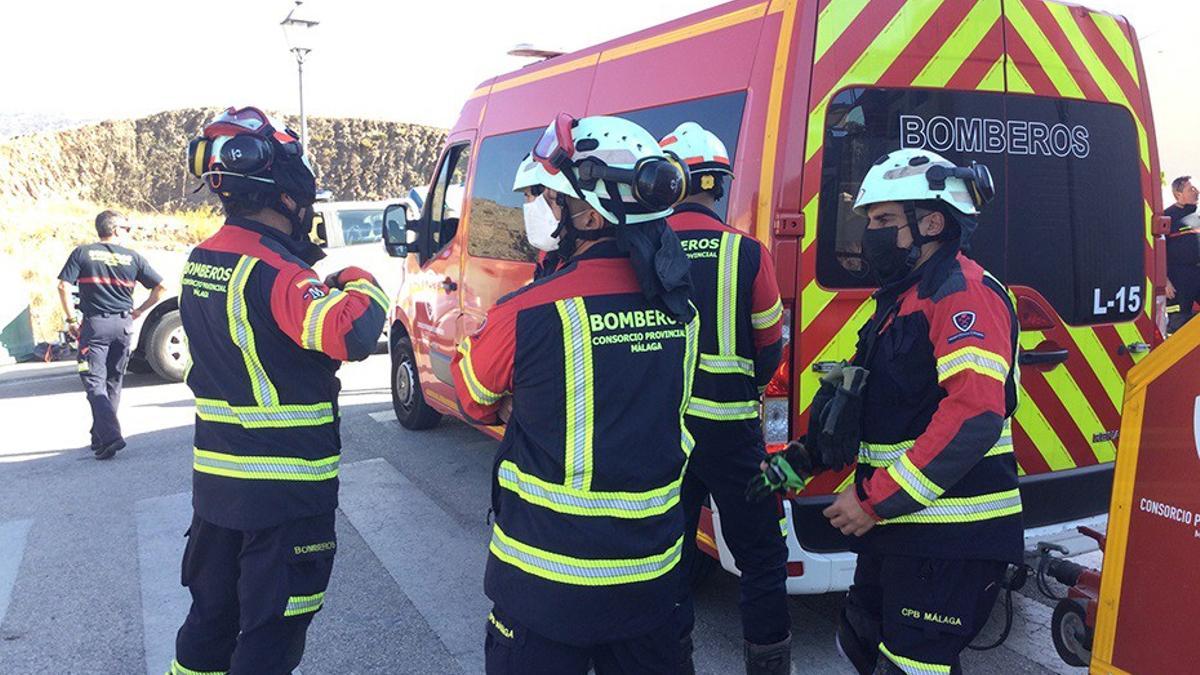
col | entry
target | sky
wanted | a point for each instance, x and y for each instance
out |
(400, 59)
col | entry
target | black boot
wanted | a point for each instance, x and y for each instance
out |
(773, 659)
(686, 665)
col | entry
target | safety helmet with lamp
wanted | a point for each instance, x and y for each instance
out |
(702, 151)
(243, 152)
(611, 163)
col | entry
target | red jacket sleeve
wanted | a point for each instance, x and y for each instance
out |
(766, 309)
(483, 366)
(972, 342)
(344, 324)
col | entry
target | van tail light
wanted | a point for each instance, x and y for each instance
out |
(1031, 314)
(776, 406)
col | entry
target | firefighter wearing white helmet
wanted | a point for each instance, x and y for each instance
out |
(595, 362)
(741, 340)
(924, 411)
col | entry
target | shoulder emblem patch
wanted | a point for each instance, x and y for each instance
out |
(964, 322)
(314, 293)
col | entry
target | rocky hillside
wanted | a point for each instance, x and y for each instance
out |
(139, 164)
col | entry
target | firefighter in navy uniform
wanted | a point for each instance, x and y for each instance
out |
(925, 404)
(597, 361)
(266, 336)
(106, 273)
(741, 339)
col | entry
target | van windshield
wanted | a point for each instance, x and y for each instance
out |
(1068, 218)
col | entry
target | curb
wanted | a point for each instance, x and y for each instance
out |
(28, 372)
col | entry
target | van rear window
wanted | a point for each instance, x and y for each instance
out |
(1067, 220)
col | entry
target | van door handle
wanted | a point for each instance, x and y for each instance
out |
(1049, 357)
(448, 285)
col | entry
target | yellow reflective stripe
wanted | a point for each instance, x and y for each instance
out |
(961, 42)
(722, 411)
(577, 350)
(952, 510)
(264, 467)
(242, 333)
(783, 526)
(479, 393)
(726, 365)
(832, 22)
(882, 455)
(975, 359)
(691, 346)
(564, 499)
(1043, 51)
(1003, 446)
(262, 417)
(304, 604)
(178, 668)
(911, 480)
(912, 666)
(83, 367)
(727, 286)
(312, 330)
(582, 571)
(1119, 42)
(371, 290)
(768, 317)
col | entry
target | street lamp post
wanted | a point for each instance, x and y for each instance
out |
(297, 30)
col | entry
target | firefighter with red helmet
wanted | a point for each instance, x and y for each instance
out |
(595, 362)
(266, 336)
(741, 340)
(924, 406)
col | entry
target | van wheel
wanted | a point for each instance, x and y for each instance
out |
(407, 400)
(167, 352)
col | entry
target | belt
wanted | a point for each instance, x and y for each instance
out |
(109, 315)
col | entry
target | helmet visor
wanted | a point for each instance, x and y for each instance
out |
(555, 148)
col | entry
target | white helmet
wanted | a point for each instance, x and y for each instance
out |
(913, 175)
(699, 148)
(586, 158)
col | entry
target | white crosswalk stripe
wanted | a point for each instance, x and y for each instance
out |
(383, 416)
(437, 565)
(161, 522)
(13, 536)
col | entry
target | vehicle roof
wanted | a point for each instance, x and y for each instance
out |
(343, 206)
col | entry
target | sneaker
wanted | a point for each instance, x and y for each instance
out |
(108, 451)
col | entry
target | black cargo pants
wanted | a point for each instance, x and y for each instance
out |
(721, 466)
(104, 344)
(254, 594)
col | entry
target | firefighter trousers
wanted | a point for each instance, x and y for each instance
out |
(721, 468)
(104, 344)
(512, 649)
(918, 612)
(254, 594)
(1186, 281)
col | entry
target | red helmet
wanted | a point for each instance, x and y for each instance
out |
(242, 151)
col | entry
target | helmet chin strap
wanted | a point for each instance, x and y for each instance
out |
(919, 239)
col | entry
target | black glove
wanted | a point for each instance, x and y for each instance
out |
(332, 280)
(840, 424)
(787, 470)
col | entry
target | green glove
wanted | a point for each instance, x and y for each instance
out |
(791, 469)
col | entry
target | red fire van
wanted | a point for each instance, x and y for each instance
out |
(806, 94)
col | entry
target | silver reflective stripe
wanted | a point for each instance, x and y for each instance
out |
(582, 571)
(965, 509)
(584, 503)
(253, 417)
(913, 481)
(304, 604)
(264, 467)
(578, 352)
(714, 363)
(243, 334)
(714, 410)
(768, 317)
(881, 454)
(727, 286)
(971, 356)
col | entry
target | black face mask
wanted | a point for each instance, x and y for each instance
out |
(888, 261)
(301, 219)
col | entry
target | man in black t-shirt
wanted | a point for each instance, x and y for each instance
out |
(106, 274)
(1183, 252)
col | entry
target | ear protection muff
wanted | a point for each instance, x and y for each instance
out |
(244, 154)
(657, 183)
(977, 177)
(198, 155)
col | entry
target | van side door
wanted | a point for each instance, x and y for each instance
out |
(435, 287)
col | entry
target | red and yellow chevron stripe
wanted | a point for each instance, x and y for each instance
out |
(1024, 46)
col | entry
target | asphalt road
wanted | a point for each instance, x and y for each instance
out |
(90, 551)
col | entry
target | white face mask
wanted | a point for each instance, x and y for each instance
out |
(540, 225)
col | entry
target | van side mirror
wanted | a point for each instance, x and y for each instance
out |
(395, 230)
(321, 234)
